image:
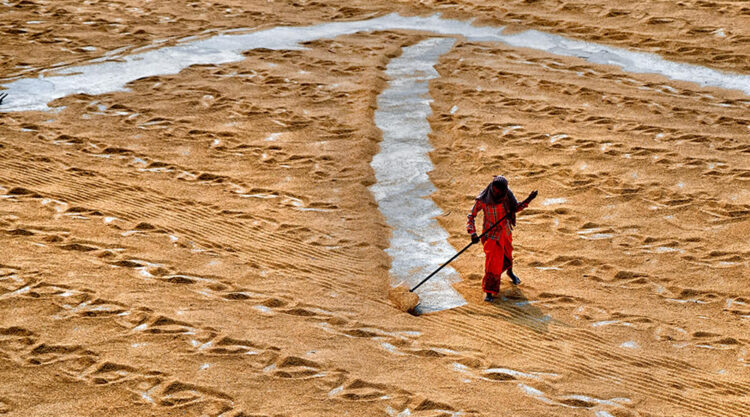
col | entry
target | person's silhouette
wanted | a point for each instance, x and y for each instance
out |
(496, 201)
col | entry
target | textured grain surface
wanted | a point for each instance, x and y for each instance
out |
(206, 244)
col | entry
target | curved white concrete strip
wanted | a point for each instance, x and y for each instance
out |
(418, 245)
(103, 77)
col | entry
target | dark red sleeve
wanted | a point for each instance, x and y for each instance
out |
(470, 227)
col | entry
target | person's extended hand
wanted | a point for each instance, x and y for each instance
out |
(532, 196)
(474, 238)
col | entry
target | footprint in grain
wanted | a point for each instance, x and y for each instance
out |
(359, 390)
(297, 368)
(231, 346)
(101, 308)
(178, 393)
(165, 325)
(45, 354)
(16, 339)
(110, 373)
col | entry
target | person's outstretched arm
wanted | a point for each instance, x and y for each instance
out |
(525, 203)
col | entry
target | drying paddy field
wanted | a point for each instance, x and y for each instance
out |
(203, 205)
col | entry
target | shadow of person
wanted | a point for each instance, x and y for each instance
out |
(520, 310)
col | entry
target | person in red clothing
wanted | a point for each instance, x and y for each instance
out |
(496, 200)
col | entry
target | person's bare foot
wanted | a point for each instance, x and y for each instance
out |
(513, 277)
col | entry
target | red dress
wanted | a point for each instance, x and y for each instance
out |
(498, 243)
